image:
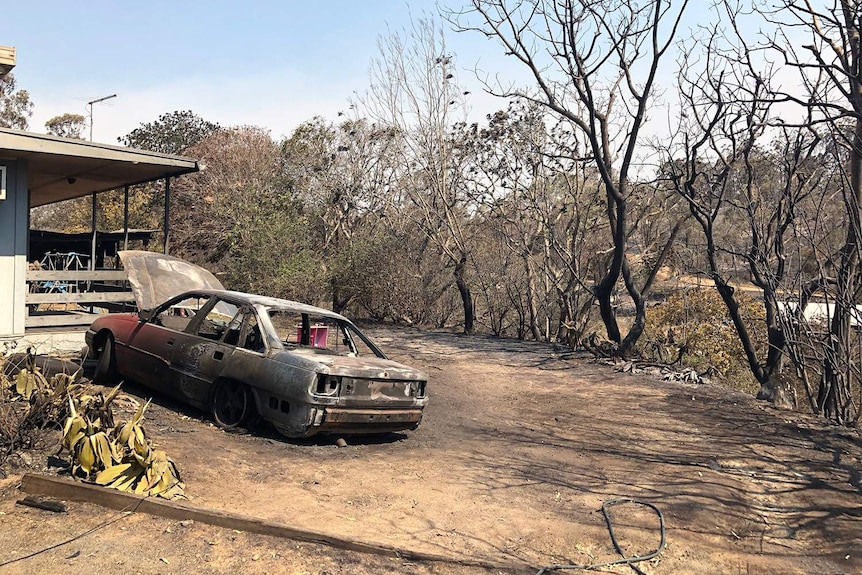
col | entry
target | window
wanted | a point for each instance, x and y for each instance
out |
(244, 327)
(234, 328)
(253, 338)
(217, 320)
(360, 344)
(288, 326)
(320, 334)
(303, 331)
(179, 314)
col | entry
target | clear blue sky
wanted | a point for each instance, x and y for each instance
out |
(263, 62)
(270, 63)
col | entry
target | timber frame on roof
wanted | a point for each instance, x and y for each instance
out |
(7, 59)
(63, 168)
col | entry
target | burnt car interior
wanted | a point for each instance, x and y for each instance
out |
(243, 331)
(217, 321)
(323, 335)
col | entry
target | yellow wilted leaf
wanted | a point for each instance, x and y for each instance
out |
(102, 448)
(112, 395)
(86, 456)
(74, 430)
(111, 474)
(25, 383)
(125, 481)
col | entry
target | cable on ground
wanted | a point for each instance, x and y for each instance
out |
(630, 561)
(122, 514)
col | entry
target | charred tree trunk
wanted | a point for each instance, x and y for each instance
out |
(836, 379)
(466, 296)
(637, 327)
(639, 295)
(773, 388)
(531, 300)
(604, 289)
(726, 291)
(339, 302)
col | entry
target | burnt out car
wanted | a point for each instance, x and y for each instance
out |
(240, 356)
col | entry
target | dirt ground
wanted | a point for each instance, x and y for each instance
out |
(518, 450)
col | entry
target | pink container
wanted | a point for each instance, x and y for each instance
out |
(318, 335)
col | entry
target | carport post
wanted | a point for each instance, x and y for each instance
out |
(126, 217)
(167, 225)
(92, 265)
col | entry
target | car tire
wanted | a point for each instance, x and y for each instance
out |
(290, 432)
(106, 368)
(231, 404)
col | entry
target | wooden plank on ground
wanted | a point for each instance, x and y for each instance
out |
(45, 503)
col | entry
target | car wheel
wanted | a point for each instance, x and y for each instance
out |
(288, 432)
(106, 369)
(231, 404)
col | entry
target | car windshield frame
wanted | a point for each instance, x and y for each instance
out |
(348, 330)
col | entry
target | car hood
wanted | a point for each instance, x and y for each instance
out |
(365, 367)
(156, 278)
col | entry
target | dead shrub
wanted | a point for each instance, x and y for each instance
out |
(30, 404)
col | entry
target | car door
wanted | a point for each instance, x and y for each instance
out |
(202, 352)
(148, 350)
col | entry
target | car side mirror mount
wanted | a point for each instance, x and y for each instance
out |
(145, 314)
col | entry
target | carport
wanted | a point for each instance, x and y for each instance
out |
(38, 169)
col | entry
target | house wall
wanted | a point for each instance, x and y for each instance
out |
(13, 249)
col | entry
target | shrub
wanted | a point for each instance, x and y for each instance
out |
(692, 329)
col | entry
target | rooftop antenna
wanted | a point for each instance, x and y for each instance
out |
(90, 104)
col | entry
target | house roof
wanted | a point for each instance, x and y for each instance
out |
(63, 168)
(7, 59)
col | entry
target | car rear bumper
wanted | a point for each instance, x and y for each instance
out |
(369, 420)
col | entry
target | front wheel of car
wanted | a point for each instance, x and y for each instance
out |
(231, 404)
(293, 432)
(106, 368)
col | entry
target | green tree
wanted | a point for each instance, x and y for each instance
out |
(66, 126)
(239, 218)
(15, 105)
(172, 133)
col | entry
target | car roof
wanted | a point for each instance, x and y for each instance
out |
(272, 303)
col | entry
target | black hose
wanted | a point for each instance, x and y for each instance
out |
(630, 561)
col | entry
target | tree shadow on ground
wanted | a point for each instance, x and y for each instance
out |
(725, 469)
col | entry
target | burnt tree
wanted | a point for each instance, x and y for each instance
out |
(594, 63)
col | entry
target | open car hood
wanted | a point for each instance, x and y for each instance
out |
(156, 278)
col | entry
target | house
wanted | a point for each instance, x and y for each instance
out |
(38, 169)
(821, 313)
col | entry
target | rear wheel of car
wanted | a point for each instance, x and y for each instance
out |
(106, 368)
(231, 404)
